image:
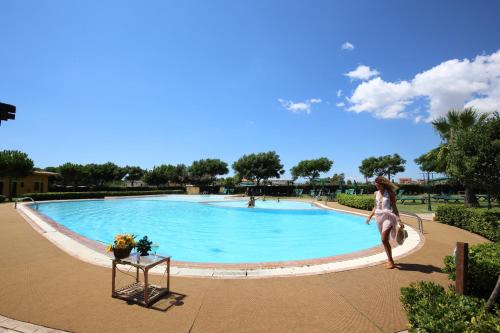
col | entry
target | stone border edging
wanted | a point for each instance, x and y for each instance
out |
(24, 327)
(311, 267)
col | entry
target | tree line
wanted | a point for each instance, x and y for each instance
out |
(256, 167)
(469, 155)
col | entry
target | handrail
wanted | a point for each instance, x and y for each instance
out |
(24, 198)
(419, 220)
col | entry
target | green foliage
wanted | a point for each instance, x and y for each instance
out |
(432, 309)
(160, 175)
(180, 174)
(456, 120)
(469, 151)
(143, 246)
(387, 165)
(337, 179)
(311, 168)
(229, 181)
(54, 178)
(474, 155)
(485, 222)
(430, 161)
(365, 202)
(484, 268)
(368, 166)
(166, 173)
(98, 174)
(94, 195)
(259, 166)
(14, 164)
(133, 173)
(72, 173)
(204, 171)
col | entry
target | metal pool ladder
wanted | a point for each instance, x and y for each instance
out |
(419, 220)
(24, 198)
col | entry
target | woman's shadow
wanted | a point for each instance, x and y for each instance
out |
(427, 269)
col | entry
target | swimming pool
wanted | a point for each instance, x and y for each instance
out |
(206, 229)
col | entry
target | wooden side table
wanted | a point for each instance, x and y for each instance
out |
(142, 293)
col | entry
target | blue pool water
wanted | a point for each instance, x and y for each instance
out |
(204, 229)
(268, 204)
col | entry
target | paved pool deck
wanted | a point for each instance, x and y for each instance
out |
(43, 285)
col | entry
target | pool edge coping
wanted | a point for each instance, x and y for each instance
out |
(78, 247)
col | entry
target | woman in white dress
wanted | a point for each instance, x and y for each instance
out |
(386, 214)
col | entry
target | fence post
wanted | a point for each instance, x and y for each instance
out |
(461, 260)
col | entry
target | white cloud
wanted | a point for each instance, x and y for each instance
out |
(340, 104)
(451, 84)
(299, 106)
(339, 93)
(362, 72)
(347, 46)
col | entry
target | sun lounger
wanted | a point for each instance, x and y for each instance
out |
(349, 191)
(448, 197)
(414, 199)
(456, 198)
(333, 195)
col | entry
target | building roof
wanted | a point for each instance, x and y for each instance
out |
(44, 173)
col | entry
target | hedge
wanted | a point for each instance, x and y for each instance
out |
(485, 222)
(93, 195)
(484, 268)
(365, 202)
(53, 188)
(432, 309)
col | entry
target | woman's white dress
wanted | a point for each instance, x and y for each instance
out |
(384, 216)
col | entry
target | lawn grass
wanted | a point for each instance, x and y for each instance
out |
(422, 208)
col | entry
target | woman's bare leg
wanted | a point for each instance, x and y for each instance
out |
(387, 247)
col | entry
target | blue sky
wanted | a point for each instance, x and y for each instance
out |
(146, 83)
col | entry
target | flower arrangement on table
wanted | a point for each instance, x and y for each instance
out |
(122, 246)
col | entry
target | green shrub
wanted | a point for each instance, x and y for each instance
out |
(365, 202)
(2, 198)
(93, 195)
(432, 309)
(484, 268)
(485, 222)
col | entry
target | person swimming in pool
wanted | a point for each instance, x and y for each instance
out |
(251, 202)
(386, 214)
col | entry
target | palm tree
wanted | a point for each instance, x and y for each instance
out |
(446, 127)
(457, 119)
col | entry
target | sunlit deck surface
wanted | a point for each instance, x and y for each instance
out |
(43, 285)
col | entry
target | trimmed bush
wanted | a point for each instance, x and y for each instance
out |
(93, 195)
(484, 268)
(477, 220)
(92, 188)
(365, 202)
(432, 309)
(2, 198)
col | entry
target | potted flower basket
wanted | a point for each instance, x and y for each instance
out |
(122, 246)
(122, 253)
